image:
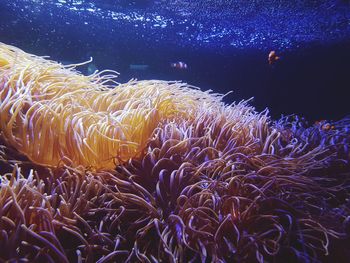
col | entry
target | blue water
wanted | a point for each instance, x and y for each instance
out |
(224, 43)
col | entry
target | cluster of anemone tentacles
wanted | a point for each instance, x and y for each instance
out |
(152, 171)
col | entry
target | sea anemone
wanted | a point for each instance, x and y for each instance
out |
(156, 171)
(82, 120)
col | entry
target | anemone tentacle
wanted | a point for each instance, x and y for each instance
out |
(92, 170)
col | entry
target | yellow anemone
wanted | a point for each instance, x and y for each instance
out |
(55, 115)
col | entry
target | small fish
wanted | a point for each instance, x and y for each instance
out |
(179, 65)
(273, 57)
(324, 125)
(327, 127)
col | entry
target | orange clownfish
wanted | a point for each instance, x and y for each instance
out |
(324, 125)
(273, 57)
(179, 65)
(327, 127)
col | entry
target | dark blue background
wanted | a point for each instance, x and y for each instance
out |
(224, 43)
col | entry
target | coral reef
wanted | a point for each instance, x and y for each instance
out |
(154, 171)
